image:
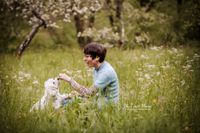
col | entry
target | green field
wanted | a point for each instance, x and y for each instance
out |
(159, 92)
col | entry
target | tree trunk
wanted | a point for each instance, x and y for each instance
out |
(116, 21)
(120, 23)
(148, 4)
(109, 8)
(28, 39)
(30, 36)
(179, 4)
(91, 21)
(143, 3)
(80, 27)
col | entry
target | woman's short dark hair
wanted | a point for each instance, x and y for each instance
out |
(95, 50)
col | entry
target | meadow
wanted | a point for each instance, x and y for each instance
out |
(159, 92)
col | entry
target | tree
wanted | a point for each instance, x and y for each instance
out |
(190, 17)
(116, 18)
(9, 25)
(179, 4)
(46, 13)
(85, 18)
(148, 4)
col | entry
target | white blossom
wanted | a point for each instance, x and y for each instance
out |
(147, 76)
(183, 82)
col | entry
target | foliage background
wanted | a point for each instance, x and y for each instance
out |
(165, 24)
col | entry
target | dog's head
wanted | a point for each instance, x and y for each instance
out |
(52, 86)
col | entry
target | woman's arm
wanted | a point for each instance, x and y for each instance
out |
(77, 87)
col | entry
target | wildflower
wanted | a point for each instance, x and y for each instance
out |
(67, 71)
(54, 25)
(154, 100)
(196, 56)
(89, 70)
(182, 82)
(162, 99)
(179, 55)
(177, 62)
(15, 77)
(78, 71)
(147, 76)
(120, 62)
(144, 56)
(140, 79)
(171, 52)
(66, 20)
(150, 66)
(157, 73)
(158, 56)
(145, 86)
(137, 73)
(30, 88)
(186, 128)
(23, 75)
(156, 48)
(174, 50)
(190, 61)
(166, 67)
(79, 34)
(191, 70)
(35, 82)
(187, 67)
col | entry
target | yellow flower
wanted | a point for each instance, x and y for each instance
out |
(154, 100)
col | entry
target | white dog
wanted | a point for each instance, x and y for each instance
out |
(51, 91)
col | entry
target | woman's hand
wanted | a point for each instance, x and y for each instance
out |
(64, 77)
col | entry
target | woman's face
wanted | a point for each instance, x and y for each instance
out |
(89, 61)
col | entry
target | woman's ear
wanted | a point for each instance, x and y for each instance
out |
(97, 58)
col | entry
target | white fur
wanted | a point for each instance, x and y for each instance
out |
(51, 90)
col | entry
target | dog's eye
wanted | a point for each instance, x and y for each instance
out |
(54, 83)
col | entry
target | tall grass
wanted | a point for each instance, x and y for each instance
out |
(159, 92)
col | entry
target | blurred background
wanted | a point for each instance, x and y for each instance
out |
(114, 23)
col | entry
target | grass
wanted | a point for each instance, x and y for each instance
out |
(159, 92)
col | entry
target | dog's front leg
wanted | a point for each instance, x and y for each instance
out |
(57, 103)
(44, 101)
(41, 103)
